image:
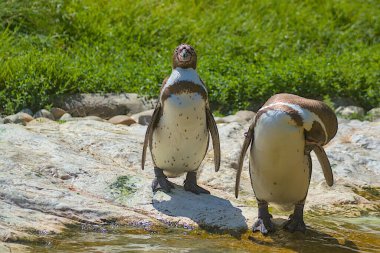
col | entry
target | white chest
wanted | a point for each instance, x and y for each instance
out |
(279, 169)
(180, 139)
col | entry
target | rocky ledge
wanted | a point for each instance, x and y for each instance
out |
(57, 173)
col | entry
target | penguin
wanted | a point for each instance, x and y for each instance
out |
(178, 134)
(284, 132)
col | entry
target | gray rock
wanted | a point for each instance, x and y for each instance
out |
(143, 118)
(10, 119)
(19, 118)
(87, 118)
(231, 118)
(104, 105)
(65, 116)
(342, 102)
(1, 120)
(240, 116)
(88, 171)
(246, 115)
(96, 118)
(28, 111)
(374, 114)
(351, 110)
(43, 114)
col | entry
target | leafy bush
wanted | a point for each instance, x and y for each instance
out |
(248, 50)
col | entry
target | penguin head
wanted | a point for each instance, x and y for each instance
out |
(184, 56)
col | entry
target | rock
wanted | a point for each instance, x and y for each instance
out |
(10, 119)
(143, 118)
(87, 118)
(19, 118)
(339, 101)
(219, 120)
(24, 117)
(57, 112)
(41, 120)
(240, 116)
(28, 111)
(43, 114)
(1, 120)
(87, 171)
(104, 105)
(65, 116)
(350, 111)
(229, 119)
(246, 115)
(122, 119)
(13, 248)
(96, 118)
(374, 114)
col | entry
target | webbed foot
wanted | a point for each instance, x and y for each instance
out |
(191, 184)
(264, 226)
(263, 223)
(295, 221)
(161, 181)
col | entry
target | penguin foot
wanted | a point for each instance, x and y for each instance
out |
(295, 221)
(294, 224)
(263, 223)
(161, 182)
(191, 184)
(263, 226)
(195, 189)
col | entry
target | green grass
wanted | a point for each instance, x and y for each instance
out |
(248, 50)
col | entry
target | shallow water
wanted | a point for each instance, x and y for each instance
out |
(330, 234)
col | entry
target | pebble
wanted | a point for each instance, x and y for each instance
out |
(122, 119)
(350, 111)
(19, 118)
(43, 114)
(57, 112)
(143, 118)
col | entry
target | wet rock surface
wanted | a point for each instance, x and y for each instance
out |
(88, 171)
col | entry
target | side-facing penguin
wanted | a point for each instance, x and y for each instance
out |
(178, 134)
(285, 130)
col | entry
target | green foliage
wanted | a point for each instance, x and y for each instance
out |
(248, 50)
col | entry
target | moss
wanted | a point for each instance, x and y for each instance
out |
(368, 192)
(124, 186)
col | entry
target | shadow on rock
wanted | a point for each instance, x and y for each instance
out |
(211, 213)
(312, 241)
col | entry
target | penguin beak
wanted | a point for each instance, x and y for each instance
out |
(184, 55)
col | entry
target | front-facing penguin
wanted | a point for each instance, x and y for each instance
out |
(178, 134)
(285, 130)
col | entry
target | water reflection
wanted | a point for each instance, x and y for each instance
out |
(324, 234)
(312, 241)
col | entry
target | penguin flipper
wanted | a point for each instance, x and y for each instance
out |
(247, 141)
(325, 164)
(211, 125)
(149, 131)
